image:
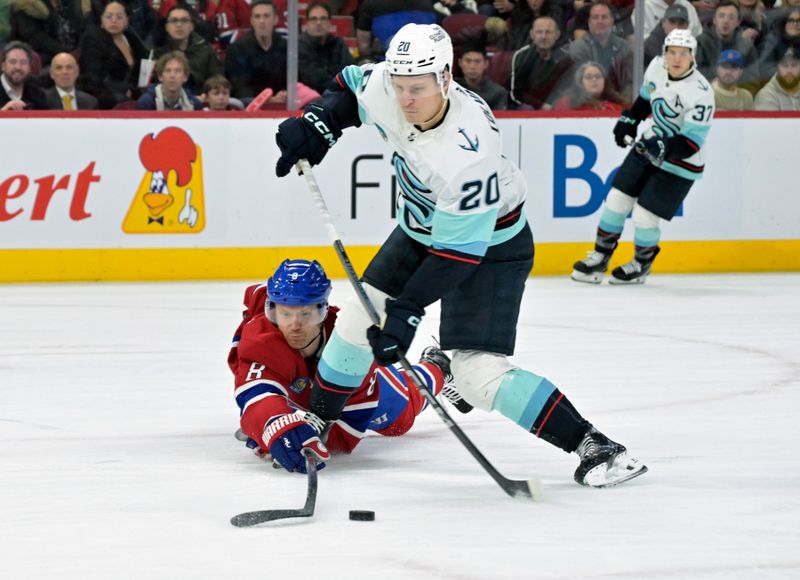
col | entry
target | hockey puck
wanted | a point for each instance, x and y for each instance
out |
(362, 516)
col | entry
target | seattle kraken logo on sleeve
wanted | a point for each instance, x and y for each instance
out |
(665, 117)
(471, 145)
(416, 205)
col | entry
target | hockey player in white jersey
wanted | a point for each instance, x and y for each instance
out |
(462, 238)
(658, 172)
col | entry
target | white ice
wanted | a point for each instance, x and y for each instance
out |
(118, 460)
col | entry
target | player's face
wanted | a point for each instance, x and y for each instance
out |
(678, 59)
(298, 324)
(419, 97)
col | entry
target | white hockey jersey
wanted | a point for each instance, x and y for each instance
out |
(683, 107)
(457, 191)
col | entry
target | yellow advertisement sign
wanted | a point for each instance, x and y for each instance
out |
(170, 198)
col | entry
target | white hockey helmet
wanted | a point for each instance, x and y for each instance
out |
(681, 37)
(419, 49)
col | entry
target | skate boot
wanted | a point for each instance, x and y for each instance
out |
(591, 268)
(435, 355)
(604, 462)
(634, 272)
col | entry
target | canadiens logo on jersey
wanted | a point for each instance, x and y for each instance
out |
(300, 385)
(170, 197)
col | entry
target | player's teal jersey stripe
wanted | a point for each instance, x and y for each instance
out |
(353, 77)
(343, 363)
(695, 132)
(498, 237)
(468, 233)
(644, 92)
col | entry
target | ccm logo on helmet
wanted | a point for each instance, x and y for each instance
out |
(321, 127)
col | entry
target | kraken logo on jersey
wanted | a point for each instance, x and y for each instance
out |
(663, 116)
(415, 203)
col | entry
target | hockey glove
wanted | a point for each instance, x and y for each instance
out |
(626, 127)
(653, 148)
(287, 436)
(392, 341)
(308, 137)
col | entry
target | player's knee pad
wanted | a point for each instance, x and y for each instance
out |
(644, 219)
(619, 202)
(478, 375)
(352, 321)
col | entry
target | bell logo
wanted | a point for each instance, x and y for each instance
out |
(170, 197)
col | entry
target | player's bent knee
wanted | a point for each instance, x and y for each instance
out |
(619, 202)
(478, 375)
(644, 218)
(352, 321)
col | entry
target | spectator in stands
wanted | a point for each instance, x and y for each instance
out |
(523, 15)
(17, 91)
(217, 91)
(171, 93)
(215, 20)
(728, 95)
(723, 34)
(601, 45)
(64, 95)
(590, 92)
(445, 8)
(785, 34)
(538, 69)
(203, 18)
(381, 19)
(654, 11)
(321, 55)
(754, 21)
(141, 17)
(48, 27)
(676, 16)
(782, 92)
(474, 63)
(110, 58)
(203, 60)
(258, 61)
(577, 24)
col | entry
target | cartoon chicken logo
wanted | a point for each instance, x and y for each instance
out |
(169, 199)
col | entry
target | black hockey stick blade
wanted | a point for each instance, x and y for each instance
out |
(247, 519)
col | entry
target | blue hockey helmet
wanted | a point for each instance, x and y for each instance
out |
(298, 283)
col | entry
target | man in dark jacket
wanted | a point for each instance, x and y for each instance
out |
(49, 28)
(321, 55)
(258, 61)
(538, 70)
(723, 34)
(63, 95)
(17, 91)
(473, 63)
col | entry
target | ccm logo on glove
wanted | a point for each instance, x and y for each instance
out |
(321, 127)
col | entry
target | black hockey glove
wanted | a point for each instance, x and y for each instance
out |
(653, 148)
(308, 137)
(626, 127)
(392, 341)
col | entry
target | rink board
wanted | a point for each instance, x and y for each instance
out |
(165, 198)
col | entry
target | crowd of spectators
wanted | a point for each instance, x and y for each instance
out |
(516, 54)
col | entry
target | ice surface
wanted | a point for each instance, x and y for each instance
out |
(118, 460)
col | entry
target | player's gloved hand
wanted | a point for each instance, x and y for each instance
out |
(288, 436)
(655, 147)
(626, 127)
(308, 137)
(388, 343)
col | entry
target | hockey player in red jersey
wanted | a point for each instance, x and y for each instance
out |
(274, 355)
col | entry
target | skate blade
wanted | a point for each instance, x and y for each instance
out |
(595, 278)
(618, 470)
(620, 282)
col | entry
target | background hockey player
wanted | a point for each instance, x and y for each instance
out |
(275, 352)
(657, 174)
(462, 238)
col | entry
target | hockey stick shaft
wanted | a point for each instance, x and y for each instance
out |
(514, 488)
(248, 519)
(642, 150)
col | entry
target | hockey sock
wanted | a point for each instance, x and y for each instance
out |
(645, 241)
(609, 230)
(559, 423)
(341, 371)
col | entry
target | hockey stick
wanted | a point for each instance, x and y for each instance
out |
(515, 488)
(642, 150)
(248, 519)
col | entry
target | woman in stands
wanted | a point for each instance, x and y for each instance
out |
(590, 92)
(110, 57)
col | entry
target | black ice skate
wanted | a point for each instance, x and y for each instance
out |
(634, 272)
(604, 462)
(592, 268)
(437, 356)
